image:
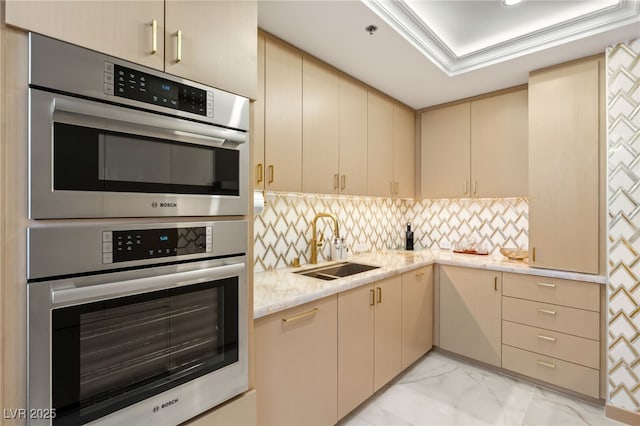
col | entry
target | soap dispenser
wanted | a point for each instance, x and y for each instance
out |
(409, 240)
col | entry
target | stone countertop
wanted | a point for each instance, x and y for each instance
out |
(282, 289)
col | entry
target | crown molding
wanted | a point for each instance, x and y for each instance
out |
(407, 23)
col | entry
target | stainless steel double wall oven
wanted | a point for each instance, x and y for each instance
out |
(137, 289)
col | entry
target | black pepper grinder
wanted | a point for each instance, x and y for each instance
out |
(409, 241)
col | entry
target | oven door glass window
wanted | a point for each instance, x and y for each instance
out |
(88, 159)
(110, 354)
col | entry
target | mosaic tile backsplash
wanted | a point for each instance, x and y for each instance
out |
(283, 230)
(623, 111)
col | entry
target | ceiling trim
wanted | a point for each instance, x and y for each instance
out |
(402, 18)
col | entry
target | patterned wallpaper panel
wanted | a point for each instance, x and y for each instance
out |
(283, 230)
(623, 115)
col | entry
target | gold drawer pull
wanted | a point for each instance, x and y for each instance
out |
(543, 337)
(336, 178)
(495, 283)
(179, 46)
(343, 180)
(547, 285)
(300, 316)
(546, 364)
(372, 297)
(379, 294)
(271, 174)
(546, 311)
(421, 274)
(260, 172)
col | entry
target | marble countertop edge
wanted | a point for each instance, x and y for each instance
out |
(281, 289)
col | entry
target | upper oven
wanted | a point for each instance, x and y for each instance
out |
(108, 138)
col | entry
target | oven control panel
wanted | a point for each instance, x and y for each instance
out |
(140, 86)
(125, 246)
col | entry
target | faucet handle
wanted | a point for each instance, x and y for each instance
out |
(320, 241)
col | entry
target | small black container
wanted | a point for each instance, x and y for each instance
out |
(408, 245)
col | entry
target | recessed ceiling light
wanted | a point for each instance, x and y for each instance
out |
(510, 2)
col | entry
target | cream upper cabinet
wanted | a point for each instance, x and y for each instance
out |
(296, 365)
(353, 137)
(445, 137)
(499, 134)
(380, 145)
(320, 128)
(217, 43)
(369, 340)
(212, 43)
(283, 117)
(122, 30)
(257, 122)
(417, 314)
(404, 143)
(476, 149)
(564, 166)
(471, 313)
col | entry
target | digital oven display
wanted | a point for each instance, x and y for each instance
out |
(154, 243)
(143, 87)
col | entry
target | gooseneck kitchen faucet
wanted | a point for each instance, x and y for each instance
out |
(314, 240)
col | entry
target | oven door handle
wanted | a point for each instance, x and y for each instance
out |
(72, 295)
(81, 112)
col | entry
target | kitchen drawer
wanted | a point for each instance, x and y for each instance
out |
(573, 321)
(574, 294)
(567, 375)
(558, 345)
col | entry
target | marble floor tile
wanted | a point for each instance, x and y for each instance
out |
(440, 390)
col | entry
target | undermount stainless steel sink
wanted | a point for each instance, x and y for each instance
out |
(335, 271)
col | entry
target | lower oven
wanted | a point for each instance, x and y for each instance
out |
(136, 324)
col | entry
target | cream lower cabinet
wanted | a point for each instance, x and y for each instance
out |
(296, 365)
(566, 119)
(369, 340)
(470, 313)
(417, 314)
(551, 331)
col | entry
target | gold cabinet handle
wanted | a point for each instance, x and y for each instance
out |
(260, 172)
(495, 283)
(465, 187)
(336, 179)
(343, 181)
(379, 294)
(179, 47)
(547, 285)
(475, 187)
(300, 316)
(420, 274)
(546, 311)
(533, 254)
(546, 364)
(396, 187)
(271, 174)
(543, 337)
(154, 36)
(391, 184)
(372, 297)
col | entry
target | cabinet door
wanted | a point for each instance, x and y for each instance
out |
(353, 137)
(388, 331)
(123, 30)
(380, 145)
(355, 347)
(283, 117)
(257, 134)
(470, 313)
(296, 365)
(499, 135)
(417, 314)
(564, 208)
(218, 43)
(445, 152)
(404, 146)
(320, 128)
